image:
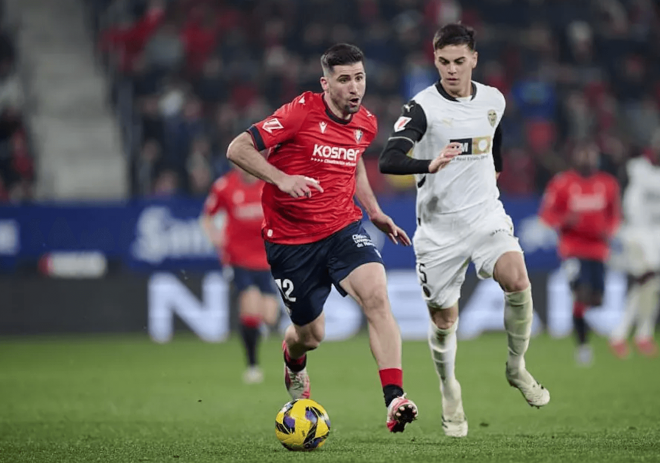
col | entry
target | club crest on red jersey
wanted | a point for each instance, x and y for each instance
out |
(358, 135)
(272, 124)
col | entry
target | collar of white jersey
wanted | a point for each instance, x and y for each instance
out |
(443, 92)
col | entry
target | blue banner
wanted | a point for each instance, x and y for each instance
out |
(148, 235)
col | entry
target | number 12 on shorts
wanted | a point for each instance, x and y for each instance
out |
(286, 288)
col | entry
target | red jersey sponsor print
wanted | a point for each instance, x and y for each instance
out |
(585, 211)
(305, 138)
(241, 200)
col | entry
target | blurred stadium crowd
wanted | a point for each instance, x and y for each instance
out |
(16, 163)
(187, 75)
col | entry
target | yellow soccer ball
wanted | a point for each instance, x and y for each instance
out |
(302, 424)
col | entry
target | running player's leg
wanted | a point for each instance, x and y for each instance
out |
(588, 286)
(270, 299)
(441, 275)
(302, 278)
(250, 318)
(649, 292)
(357, 269)
(588, 292)
(498, 255)
(639, 248)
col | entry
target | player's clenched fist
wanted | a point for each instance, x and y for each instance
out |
(448, 153)
(298, 186)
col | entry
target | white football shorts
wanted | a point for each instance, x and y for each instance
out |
(641, 249)
(443, 256)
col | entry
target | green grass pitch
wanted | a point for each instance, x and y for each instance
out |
(126, 399)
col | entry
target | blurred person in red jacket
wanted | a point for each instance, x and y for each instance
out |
(583, 206)
(237, 236)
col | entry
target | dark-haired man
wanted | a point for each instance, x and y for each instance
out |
(448, 136)
(314, 237)
(583, 206)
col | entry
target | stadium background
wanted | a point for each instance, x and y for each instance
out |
(115, 126)
(114, 120)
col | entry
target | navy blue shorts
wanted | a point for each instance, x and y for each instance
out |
(305, 273)
(245, 278)
(590, 274)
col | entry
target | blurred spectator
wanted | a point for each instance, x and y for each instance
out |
(16, 164)
(166, 184)
(570, 70)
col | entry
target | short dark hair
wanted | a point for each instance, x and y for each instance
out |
(339, 55)
(454, 34)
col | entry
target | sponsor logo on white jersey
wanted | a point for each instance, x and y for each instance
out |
(272, 124)
(335, 152)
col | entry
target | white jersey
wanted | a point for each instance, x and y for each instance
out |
(641, 200)
(467, 185)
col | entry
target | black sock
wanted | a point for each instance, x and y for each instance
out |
(295, 365)
(581, 328)
(250, 337)
(391, 392)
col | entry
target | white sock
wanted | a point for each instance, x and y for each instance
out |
(443, 345)
(622, 330)
(648, 309)
(518, 317)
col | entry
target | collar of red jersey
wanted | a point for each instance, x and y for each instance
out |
(332, 115)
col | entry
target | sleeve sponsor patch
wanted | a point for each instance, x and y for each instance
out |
(401, 123)
(272, 124)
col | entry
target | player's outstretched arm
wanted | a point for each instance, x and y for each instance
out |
(367, 198)
(242, 152)
(214, 234)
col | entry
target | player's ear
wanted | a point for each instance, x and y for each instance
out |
(475, 58)
(324, 83)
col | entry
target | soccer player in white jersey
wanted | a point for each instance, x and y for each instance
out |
(448, 136)
(641, 242)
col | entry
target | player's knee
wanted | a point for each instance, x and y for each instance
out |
(596, 300)
(444, 319)
(312, 339)
(516, 283)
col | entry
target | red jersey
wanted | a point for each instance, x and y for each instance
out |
(306, 138)
(241, 200)
(585, 211)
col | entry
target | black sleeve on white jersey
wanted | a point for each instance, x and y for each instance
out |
(497, 149)
(411, 128)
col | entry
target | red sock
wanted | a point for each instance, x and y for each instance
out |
(579, 308)
(291, 361)
(250, 321)
(391, 377)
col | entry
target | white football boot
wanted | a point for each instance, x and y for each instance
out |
(454, 421)
(534, 393)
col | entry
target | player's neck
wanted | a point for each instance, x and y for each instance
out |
(338, 113)
(463, 92)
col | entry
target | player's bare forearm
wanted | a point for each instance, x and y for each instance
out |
(213, 233)
(363, 192)
(206, 223)
(241, 151)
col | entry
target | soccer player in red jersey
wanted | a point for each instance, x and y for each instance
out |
(312, 227)
(237, 195)
(583, 205)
